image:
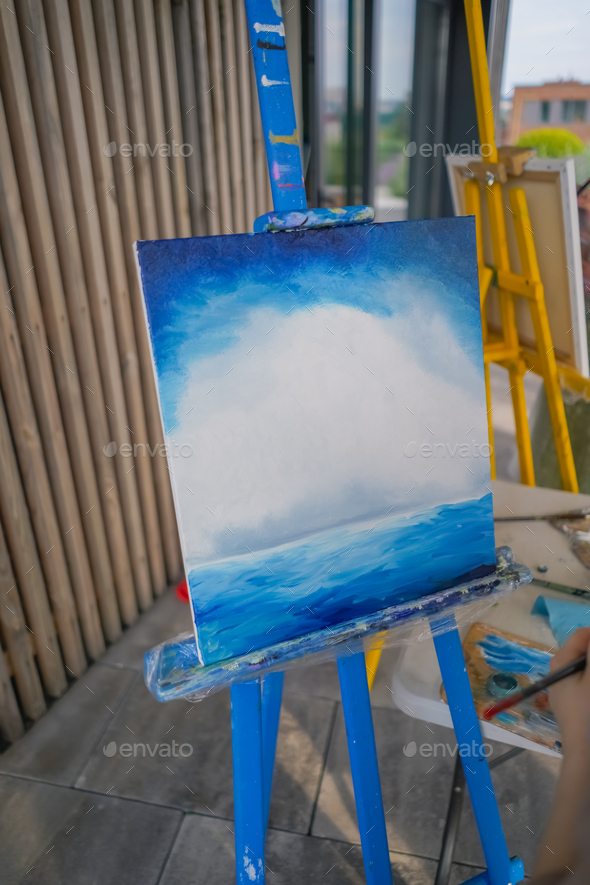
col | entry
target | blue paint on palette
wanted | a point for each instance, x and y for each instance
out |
(510, 657)
(323, 401)
(351, 571)
(506, 718)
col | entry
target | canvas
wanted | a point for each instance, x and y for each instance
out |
(550, 189)
(323, 403)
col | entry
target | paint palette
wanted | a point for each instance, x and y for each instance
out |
(499, 663)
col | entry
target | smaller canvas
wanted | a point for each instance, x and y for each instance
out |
(549, 186)
(499, 663)
(323, 402)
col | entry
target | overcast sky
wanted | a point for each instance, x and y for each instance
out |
(396, 47)
(547, 41)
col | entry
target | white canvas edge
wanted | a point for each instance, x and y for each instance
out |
(569, 196)
(567, 179)
(172, 484)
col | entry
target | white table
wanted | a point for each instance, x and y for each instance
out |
(416, 678)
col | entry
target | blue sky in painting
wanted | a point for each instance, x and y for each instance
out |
(216, 278)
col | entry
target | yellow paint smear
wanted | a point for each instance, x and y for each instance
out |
(283, 139)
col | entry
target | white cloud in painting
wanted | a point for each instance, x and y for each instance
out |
(302, 425)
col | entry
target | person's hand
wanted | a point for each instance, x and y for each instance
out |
(570, 698)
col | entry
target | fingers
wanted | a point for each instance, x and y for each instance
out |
(576, 645)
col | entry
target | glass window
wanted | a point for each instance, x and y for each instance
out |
(573, 111)
(531, 112)
(394, 102)
(545, 111)
(335, 36)
(342, 133)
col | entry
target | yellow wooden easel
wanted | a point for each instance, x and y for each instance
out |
(505, 348)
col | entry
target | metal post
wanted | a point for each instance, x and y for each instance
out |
(452, 822)
(371, 39)
(311, 68)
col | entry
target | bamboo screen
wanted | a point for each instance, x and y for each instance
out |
(119, 120)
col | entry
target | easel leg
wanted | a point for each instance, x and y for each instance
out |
(477, 774)
(523, 436)
(365, 772)
(372, 658)
(272, 694)
(546, 353)
(250, 829)
(554, 395)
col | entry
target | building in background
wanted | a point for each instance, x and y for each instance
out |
(563, 105)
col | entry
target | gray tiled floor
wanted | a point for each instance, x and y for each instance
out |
(159, 811)
(204, 848)
(414, 826)
(192, 782)
(57, 747)
(55, 835)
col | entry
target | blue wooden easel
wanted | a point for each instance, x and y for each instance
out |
(255, 704)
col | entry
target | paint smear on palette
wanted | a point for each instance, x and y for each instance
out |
(323, 400)
(499, 663)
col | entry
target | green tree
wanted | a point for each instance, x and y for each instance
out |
(552, 142)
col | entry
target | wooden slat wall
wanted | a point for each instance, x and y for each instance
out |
(88, 536)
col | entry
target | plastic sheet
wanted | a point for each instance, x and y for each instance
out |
(313, 218)
(172, 669)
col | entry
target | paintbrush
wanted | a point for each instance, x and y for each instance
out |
(575, 666)
(570, 516)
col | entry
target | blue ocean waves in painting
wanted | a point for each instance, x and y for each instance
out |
(250, 601)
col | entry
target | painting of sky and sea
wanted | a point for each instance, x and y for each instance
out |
(323, 402)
